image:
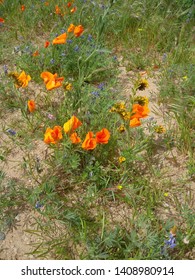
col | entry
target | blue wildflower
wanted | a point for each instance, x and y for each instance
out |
(69, 41)
(90, 38)
(101, 86)
(95, 93)
(11, 131)
(52, 61)
(76, 48)
(171, 243)
(115, 57)
(38, 205)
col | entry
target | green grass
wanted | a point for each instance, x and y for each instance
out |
(92, 206)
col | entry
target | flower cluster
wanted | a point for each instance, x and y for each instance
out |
(138, 111)
(52, 136)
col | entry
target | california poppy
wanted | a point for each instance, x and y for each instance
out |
(60, 39)
(46, 45)
(74, 138)
(2, 20)
(31, 106)
(73, 10)
(135, 122)
(78, 30)
(71, 28)
(72, 124)
(36, 53)
(23, 8)
(22, 80)
(57, 10)
(103, 136)
(90, 142)
(139, 111)
(52, 136)
(51, 80)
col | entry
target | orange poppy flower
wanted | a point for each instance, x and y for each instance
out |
(74, 138)
(31, 106)
(46, 76)
(78, 30)
(2, 20)
(52, 136)
(72, 124)
(23, 8)
(103, 136)
(46, 45)
(89, 143)
(60, 39)
(46, 3)
(134, 122)
(73, 10)
(51, 80)
(69, 4)
(22, 80)
(57, 10)
(71, 28)
(36, 53)
(139, 111)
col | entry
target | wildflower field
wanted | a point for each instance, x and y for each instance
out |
(97, 105)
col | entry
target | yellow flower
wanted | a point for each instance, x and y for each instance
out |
(141, 100)
(118, 107)
(166, 194)
(173, 230)
(142, 84)
(121, 159)
(125, 115)
(159, 129)
(119, 187)
(121, 128)
(72, 124)
(68, 86)
(185, 78)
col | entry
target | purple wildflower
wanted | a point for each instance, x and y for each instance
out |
(5, 68)
(76, 48)
(90, 38)
(101, 86)
(171, 243)
(50, 116)
(95, 93)
(11, 131)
